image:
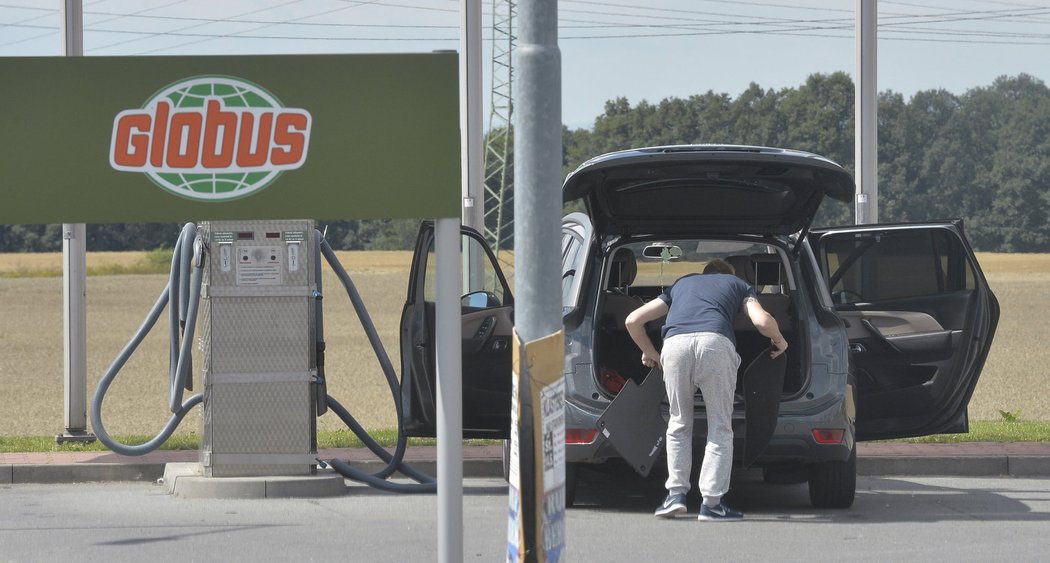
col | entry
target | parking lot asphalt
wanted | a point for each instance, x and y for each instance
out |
(974, 459)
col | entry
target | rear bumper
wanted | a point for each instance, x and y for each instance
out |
(793, 441)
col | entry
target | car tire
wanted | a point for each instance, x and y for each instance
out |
(833, 484)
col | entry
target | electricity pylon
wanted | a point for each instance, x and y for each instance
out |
(499, 179)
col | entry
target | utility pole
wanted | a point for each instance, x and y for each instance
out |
(536, 531)
(74, 275)
(866, 114)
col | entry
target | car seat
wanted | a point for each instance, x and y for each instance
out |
(619, 355)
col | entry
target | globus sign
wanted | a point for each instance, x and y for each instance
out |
(211, 138)
(208, 138)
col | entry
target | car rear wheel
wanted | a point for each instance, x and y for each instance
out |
(833, 484)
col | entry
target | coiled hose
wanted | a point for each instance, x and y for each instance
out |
(183, 294)
(425, 483)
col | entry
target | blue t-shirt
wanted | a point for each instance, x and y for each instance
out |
(705, 303)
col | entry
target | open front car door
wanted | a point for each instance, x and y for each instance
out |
(487, 312)
(920, 318)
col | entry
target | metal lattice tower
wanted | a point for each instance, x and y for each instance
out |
(499, 189)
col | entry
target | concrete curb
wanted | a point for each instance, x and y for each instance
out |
(956, 466)
(970, 459)
(872, 466)
(82, 472)
(186, 480)
(103, 472)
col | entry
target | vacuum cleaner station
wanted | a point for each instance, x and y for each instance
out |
(253, 289)
(259, 344)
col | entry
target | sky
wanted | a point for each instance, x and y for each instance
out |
(639, 49)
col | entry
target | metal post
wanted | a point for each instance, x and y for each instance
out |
(449, 393)
(449, 278)
(470, 113)
(74, 277)
(866, 114)
(470, 127)
(537, 505)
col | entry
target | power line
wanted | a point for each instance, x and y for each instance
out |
(267, 25)
(290, 2)
(897, 26)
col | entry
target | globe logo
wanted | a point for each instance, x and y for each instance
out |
(211, 138)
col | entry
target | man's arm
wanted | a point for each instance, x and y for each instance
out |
(766, 325)
(636, 328)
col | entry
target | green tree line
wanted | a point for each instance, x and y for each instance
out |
(983, 156)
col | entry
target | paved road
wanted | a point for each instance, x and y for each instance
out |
(894, 518)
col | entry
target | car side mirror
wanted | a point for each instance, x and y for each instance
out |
(480, 300)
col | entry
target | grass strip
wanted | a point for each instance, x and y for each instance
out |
(325, 439)
(980, 431)
(992, 431)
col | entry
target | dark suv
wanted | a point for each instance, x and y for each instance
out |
(889, 325)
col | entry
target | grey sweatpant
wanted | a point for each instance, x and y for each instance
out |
(708, 361)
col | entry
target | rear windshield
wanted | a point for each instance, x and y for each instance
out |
(660, 263)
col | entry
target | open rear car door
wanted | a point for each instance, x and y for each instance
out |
(920, 318)
(487, 313)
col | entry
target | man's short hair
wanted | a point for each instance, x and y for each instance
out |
(719, 266)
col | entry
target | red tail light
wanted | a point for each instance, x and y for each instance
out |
(828, 435)
(580, 435)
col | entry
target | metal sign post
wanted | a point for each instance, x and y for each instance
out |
(449, 393)
(74, 275)
(867, 134)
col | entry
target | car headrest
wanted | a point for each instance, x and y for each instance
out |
(742, 267)
(624, 268)
(766, 269)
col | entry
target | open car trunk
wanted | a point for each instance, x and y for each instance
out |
(618, 359)
(634, 422)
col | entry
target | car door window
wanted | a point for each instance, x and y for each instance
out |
(575, 233)
(480, 276)
(875, 267)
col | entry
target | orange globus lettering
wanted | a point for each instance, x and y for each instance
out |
(180, 131)
(289, 139)
(220, 135)
(184, 140)
(254, 143)
(131, 140)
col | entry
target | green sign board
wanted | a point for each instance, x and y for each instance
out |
(143, 139)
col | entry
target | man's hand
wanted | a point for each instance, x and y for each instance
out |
(636, 328)
(766, 325)
(779, 345)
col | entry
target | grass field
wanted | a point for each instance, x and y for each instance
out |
(31, 365)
